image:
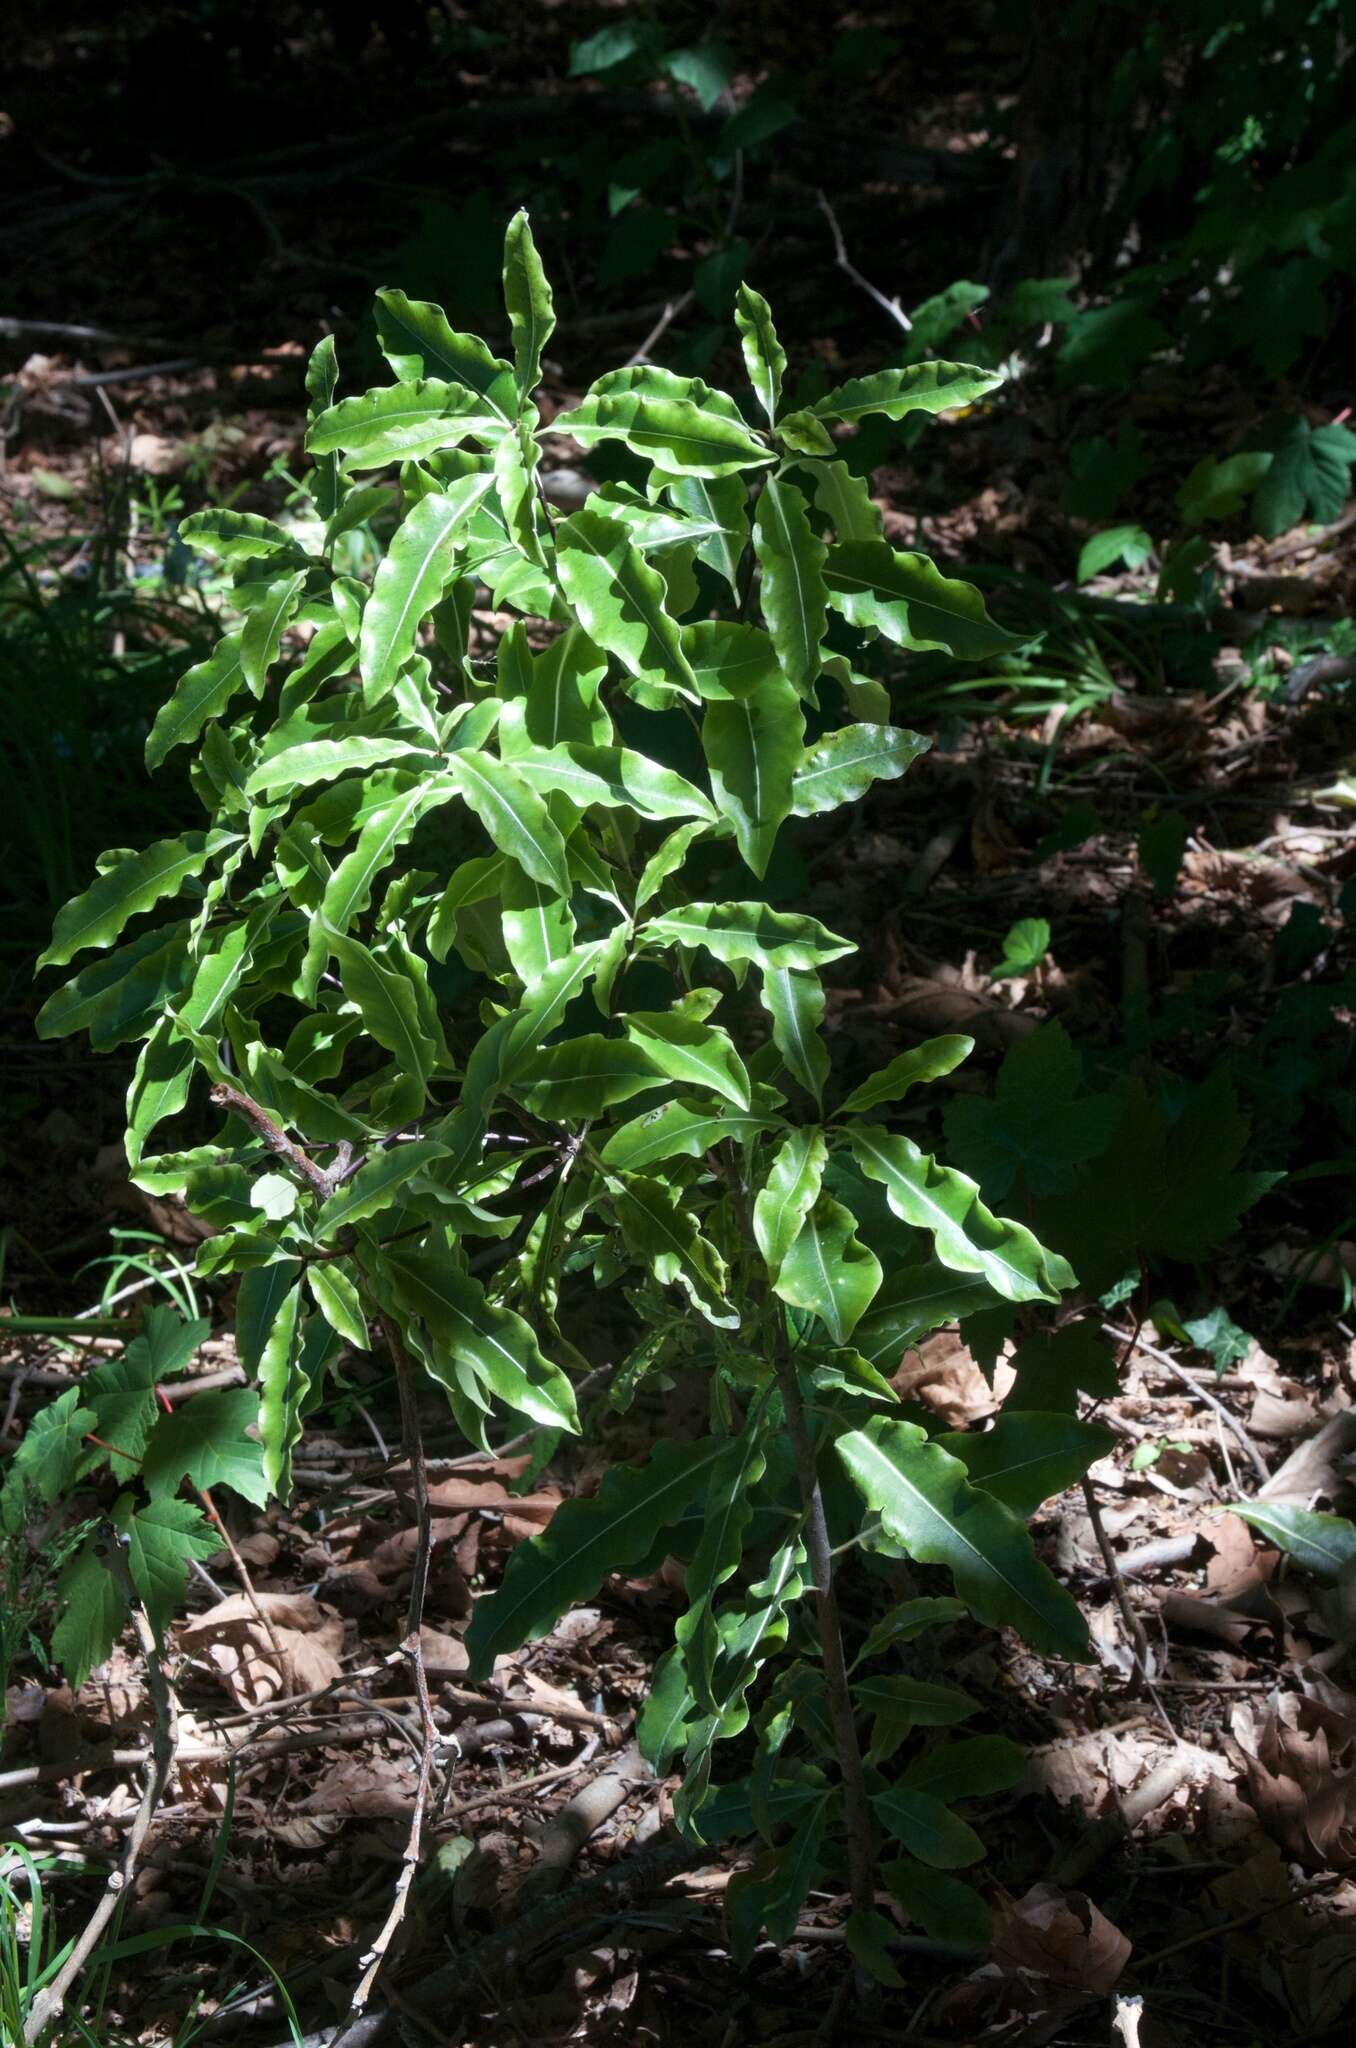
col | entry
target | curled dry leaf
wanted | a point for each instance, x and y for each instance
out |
(1060, 1935)
(1301, 1771)
(232, 1640)
(941, 1373)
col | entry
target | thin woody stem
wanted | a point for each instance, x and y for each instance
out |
(276, 1139)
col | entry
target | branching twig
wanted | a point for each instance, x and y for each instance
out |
(844, 262)
(1139, 1640)
(1229, 1420)
(274, 1137)
(51, 2001)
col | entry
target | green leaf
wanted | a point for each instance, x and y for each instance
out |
(92, 1614)
(240, 537)
(401, 422)
(514, 816)
(204, 1441)
(202, 692)
(841, 766)
(472, 1332)
(928, 1830)
(275, 1195)
(753, 747)
(386, 823)
(829, 1271)
(675, 1131)
(846, 501)
(764, 356)
(619, 600)
(909, 1620)
(793, 595)
(660, 1231)
(135, 883)
(1024, 948)
(417, 342)
(914, 1300)
(583, 1076)
(688, 1050)
(122, 1390)
(53, 1446)
(586, 1540)
(772, 1893)
(793, 1184)
(922, 387)
(389, 1007)
(730, 661)
(375, 1186)
(907, 598)
(1217, 490)
(1160, 844)
(969, 1238)
(928, 1506)
(727, 1511)
(261, 636)
(1128, 544)
(615, 777)
(676, 433)
(944, 1907)
(410, 581)
(324, 760)
(899, 1696)
(748, 931)
(974, 1768)
(926, 1062)
(794, 999)
(337, 1298)
(1041, 1123)
(161, 1539)
(1026, 1458)
(527, 296)
(868, 1940)
(1322, 1544)
(720, 506)
(538, 925)
(1309, 476)
(122, 995)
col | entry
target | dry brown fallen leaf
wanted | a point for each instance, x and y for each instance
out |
(1060, 1935)
(941, 1373)
(298, 1650)
(1300, 1758)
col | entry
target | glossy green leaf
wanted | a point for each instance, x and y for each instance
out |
(375, 1186)
(401, 422)
(585, 1540)
(928, 1506)
(527, 296)
(907, 598)
(410, 580)
(926, 1062)
(418, 342)
(675, 1132)
(753, 747)
(975, 1767)
(661, 1231)
(135, 883)
(794, 999)
(240, 537)
(793, 1184)
(945, 1907)
(841, 766)
(829, 1271)
(969, 1238)
(336, 1296)
(121, 995)
(619, 599)
(921, 387)
(1322, 1544)
(613, 776)
(846, 501)
(764, 356)
(514, 816)
(720, 507)
(909, 1620)
(471, 1331)
(202, 692)
(698, 1054)
(900, 1696)
(749, 931)
(205, 1442)
(261, 635)
(584, 1076)
(1025, 1458)
(389, 1007)
(730, 661)
(675, 433)
(793, 593)
(538, 925)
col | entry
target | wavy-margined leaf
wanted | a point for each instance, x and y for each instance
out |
(764, 356)
(391, 1013)
(267, 1335)
(386, 827)
(586, 1540)
(914, 1300)
(516, 458)
(925, 1062)
(562, 702)
(537, 923)
(945, 1907)
(727, 1513)
(802, 434)
(968, 1236)
(583, 1076)
(164, 1070)
(719, 505)
(1322, 1544)
(328, 485)
(829, 1271)
(794, 999)
(749, 931)
(202, 692)
(325, 760)
(410, 581)
(204, 1441)
(928, 1506)
(527, 297)
(122, 994)
(730, 661)
(613, 776)
(674, 433)
(659, 1230)
(133, 884)
(261, 635)
(241, 537)
(514, 816)
(401, 422)
(841, 766)
(620, 602)
(907, 598)
(375, 1186)
(909, 1620)
(792, 1189)
(417, 342)
(921, 387)
(476, 1333)
(753, 747)
(686, 1049)
(1026, 1457)
(336, 1295)
(675, 1131)
(845, 500)
(793, 593)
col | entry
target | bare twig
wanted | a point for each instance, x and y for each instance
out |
(274, 1137)
(1187, 1765)
(1229, 1420)
(413, 1649)
(1139, 1640)
(51, 2001)
(844, 262)
(674, 310)
(567, 1831)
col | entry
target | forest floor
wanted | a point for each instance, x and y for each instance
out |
(1186, 1834)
